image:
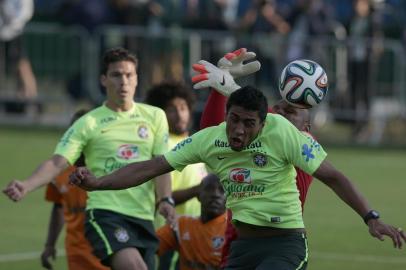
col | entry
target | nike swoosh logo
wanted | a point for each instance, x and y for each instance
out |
(220, 158)
(223, 82)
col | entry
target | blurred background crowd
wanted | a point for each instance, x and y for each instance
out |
(49, 53)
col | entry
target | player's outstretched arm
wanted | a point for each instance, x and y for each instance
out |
(48, 170)
(343, 187)
(134, 174)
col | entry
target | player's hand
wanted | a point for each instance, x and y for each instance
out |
(378, 229)
(16, 190)
(234, 63)
(168, 212)
(212, 76)
(84, 179)
(49, 252)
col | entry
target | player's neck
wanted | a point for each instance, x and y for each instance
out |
(119, 107)
(209, 217)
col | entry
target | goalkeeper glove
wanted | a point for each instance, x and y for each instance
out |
(234, 63)
(214, 77)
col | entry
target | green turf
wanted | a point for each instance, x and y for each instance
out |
(338, 239)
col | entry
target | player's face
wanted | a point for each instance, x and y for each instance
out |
(212, 198)
(242, 127)
(178, 114)
(298, 117)
(120, 82)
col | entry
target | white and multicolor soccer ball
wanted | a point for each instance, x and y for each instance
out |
(303, 83)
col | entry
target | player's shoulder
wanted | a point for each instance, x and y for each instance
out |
(146, 108)
(274, 121)
(92, 117)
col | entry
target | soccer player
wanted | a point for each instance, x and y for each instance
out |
(118, 223)
(254, 154)
(216, 102)
(69, 207)
(199, 239)
(177, 101)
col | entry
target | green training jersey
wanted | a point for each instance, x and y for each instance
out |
(190, 176)
(110, 140)
(259, 181)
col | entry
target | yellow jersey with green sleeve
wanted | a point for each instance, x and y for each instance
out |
(259, 181)
(111, 140)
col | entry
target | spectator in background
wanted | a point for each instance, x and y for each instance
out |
(177, 101)
(14, 14)
(311, 20)
(262, 18)
(69, 204)
(363, 27)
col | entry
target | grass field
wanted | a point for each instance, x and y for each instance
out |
(338, 239)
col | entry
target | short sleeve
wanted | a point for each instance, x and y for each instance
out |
(72, 142)
(302, 150)
(187, 151)
(160, 146)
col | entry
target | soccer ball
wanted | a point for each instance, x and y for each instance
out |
(303, 83)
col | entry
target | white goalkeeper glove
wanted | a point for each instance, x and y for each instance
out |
(234, 63)
(214, 77)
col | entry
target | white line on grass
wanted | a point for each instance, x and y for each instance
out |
(22, 256)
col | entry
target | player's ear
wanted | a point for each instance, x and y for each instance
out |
(103, 80)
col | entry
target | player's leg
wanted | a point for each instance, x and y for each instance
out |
(127, 259)
(121, 241)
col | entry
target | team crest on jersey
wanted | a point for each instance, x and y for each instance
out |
(128, 151)
(240, 175)
(121, 235)
(260, 160)
(143, 132)
(217, 242)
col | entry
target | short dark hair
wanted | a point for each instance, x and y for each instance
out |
(159, 95)
(250, 99)
(116, 55)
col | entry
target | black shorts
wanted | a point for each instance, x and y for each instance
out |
(284, 252)
(109, 232)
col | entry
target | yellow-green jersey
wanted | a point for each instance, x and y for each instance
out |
(259, 181)
(190, 176)
(110, 140)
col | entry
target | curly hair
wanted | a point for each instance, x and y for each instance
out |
(116, 55)
(159, 95)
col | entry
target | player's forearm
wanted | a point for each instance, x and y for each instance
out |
(344, 188)
(214, 110)
(55, 225)
(134, 174)
(183, 195)
(44, 174)
(163, 185)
